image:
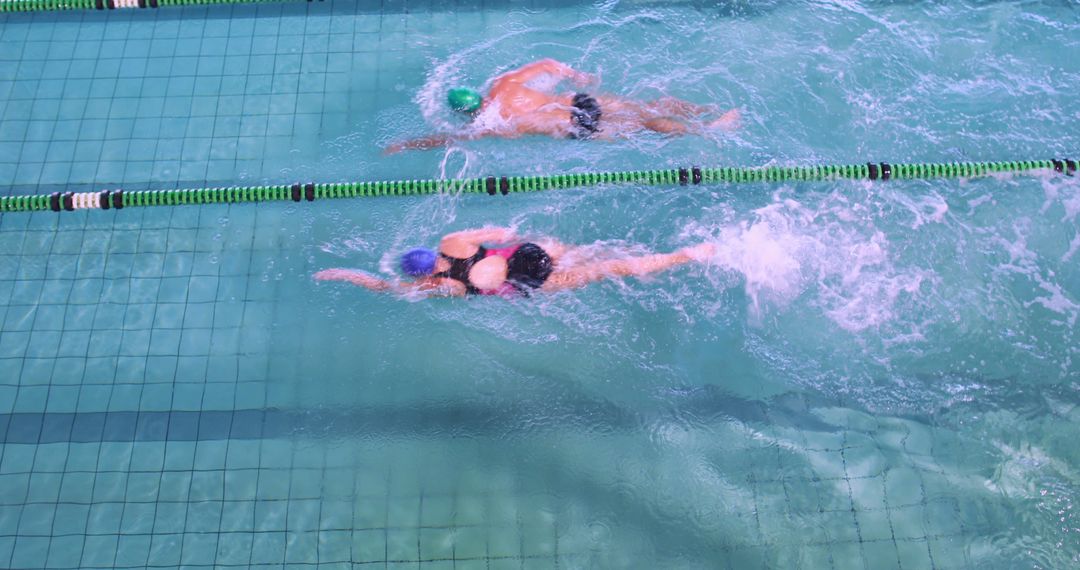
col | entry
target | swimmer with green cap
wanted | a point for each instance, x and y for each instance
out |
(515, 106)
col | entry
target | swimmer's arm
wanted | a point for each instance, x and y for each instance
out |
(433, 141)
(464, 243)
(548, 66)
(482, 235)
(362, 279)
(423, 143)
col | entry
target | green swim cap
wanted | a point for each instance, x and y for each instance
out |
(465, 100)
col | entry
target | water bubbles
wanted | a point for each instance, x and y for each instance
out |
(599, 531)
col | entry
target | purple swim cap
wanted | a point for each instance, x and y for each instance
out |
(418, 262)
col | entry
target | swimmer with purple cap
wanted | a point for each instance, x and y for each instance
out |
(517, 105)
(466, 264)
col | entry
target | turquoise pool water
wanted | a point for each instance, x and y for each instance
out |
(866, 376)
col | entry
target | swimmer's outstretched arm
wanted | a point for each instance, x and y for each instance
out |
(423, 143)
(381, 285)
(434, 141)
(628, 267)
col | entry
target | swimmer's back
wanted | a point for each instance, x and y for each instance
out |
(528, 111)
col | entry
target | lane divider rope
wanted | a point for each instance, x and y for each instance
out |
(492, 185)
(52, 5)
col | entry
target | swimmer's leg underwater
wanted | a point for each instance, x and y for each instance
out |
(667, 115)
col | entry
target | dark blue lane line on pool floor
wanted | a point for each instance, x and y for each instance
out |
(691, 407)
(457, 419)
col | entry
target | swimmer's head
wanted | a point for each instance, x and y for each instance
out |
(418, 262)
(464, 100)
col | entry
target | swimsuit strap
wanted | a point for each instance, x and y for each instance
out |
(459, 269)
(504, 252)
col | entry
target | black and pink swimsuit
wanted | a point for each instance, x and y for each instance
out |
(528, 266)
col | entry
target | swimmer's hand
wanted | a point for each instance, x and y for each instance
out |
(729, 121)
(701, 252)
(352, 276)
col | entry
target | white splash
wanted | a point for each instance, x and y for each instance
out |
(924, 208)
(834, 253)
(1025, 261)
